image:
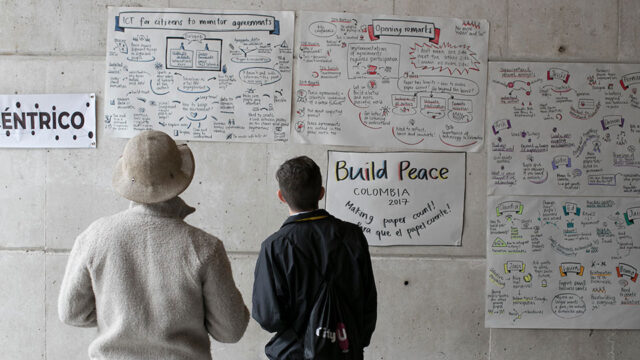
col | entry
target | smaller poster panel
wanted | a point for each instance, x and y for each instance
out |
(399, 198)
(563, 262)
(48, 121)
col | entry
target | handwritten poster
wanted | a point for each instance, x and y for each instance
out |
(563, 262)
(405, 82)
(199, 74)
(403, 198)
(48, 121)
(560, 129)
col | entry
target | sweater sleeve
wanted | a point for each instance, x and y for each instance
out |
(76, 302)
(268, 297)
(226, 316)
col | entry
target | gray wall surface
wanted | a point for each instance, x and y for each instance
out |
(431, 299)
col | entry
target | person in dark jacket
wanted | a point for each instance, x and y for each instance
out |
(287, 274)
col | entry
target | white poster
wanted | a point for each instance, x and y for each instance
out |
(200, 74)
(48, 121)
(563, 262)
(563, 129)
(402, 198)
(392, 81)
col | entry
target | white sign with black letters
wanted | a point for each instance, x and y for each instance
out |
(400, 198)
(48, 121)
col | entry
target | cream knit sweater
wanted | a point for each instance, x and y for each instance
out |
(153, 285)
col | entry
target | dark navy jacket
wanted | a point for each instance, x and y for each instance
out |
(285, 282)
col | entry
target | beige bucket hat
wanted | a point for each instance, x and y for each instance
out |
(153, 168)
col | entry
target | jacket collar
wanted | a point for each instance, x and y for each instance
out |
(307, 216)
(173, 208)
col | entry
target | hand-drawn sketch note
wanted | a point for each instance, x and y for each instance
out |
(406, 82)
(563, 262)
(48, 121)
(401, 198)
(563, 129)
(200, 74)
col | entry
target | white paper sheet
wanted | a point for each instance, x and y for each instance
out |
(563, 262)
(200, 74)
(563, 129)
(392, 81)
(403, 198)
(48, 121)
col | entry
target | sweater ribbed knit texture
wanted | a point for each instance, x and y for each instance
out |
(153, 285)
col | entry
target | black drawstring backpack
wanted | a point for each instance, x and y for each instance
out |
(331, 332)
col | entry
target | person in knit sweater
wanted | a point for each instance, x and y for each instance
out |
(155, 286)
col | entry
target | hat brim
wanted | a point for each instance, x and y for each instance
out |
(147, 194)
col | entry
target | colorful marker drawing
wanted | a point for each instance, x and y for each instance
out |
(429, 74)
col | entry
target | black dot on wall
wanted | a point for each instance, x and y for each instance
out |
(37, 105)
(562, 49)
(57, 137)
(33, 132)
(88, 104)
(90, 134)
(8, 133)
(53, 107)
(74, 137)
(406, 282)
(18, 104)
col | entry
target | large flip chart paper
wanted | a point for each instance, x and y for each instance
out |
(200, 74)
(568, 256)
(394, 81)
(563, 129)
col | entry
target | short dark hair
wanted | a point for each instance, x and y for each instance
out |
(300, 182)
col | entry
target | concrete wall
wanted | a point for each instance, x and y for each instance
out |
(431, 299)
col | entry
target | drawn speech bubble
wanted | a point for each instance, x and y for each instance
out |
(250, 59)
(568, 306)
(439, 84)
(459, 116)
(458, 59)
(259, 75)
(322, 29)
(194, 36)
